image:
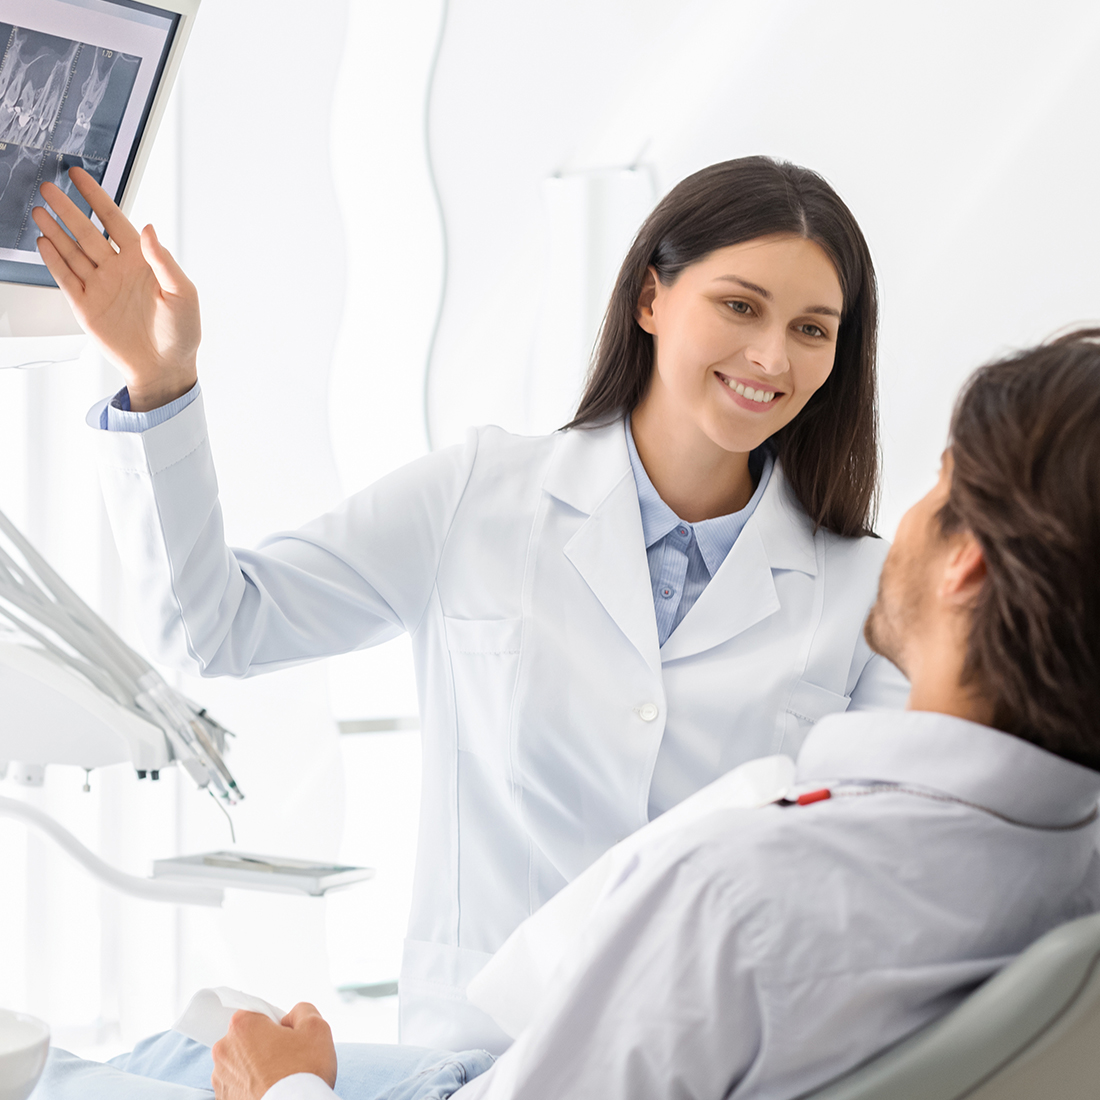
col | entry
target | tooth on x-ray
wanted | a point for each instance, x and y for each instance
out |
(61, 104)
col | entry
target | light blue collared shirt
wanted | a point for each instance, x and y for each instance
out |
(684, 556)
(117, 415)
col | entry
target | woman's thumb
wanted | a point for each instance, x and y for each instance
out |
(169, 273)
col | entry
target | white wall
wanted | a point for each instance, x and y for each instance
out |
(957, 132)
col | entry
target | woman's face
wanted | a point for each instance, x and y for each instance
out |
(742, 339)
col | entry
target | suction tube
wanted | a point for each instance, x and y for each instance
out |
(147, 889)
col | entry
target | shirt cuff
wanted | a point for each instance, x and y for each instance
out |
(118, 417)
(299, 1086)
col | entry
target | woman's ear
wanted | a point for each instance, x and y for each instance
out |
(643, 314)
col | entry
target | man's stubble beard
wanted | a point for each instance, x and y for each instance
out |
(893, 613)
(875, 633)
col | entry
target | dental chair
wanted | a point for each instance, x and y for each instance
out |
(1032, 1032)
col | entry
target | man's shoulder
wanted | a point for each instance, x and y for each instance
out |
(793, 875)
(753, 853)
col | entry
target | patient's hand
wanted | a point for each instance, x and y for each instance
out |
(137, 303)
(256, 1053)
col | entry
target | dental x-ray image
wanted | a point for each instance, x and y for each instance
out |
(61, 104)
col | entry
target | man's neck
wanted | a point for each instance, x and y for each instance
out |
(936, 679)
(955, 701)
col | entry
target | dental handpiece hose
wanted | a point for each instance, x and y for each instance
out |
(38, 603)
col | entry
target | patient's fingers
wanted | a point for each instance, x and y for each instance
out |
(114, 221)
(69, 250)
(74, 219)
(298, 1015)
(62, 273)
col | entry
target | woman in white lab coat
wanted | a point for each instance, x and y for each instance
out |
(604, 620)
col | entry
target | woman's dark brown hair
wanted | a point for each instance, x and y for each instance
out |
(829, 452)
(1025, 444)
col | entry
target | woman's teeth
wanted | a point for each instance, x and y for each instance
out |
(762, 397)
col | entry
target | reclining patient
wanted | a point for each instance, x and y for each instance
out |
(763, 952)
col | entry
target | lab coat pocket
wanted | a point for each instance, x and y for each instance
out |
(807, 705)
(484, 656)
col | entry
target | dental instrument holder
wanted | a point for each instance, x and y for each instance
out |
(72, 692)
(270, 873)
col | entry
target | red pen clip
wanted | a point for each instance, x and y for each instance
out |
(808, 798)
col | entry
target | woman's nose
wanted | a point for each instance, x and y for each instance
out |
(768, 352)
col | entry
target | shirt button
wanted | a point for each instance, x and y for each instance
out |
(682, 532)
(648, 711)
(668, 593)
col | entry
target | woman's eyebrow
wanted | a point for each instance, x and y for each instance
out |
(767, 294)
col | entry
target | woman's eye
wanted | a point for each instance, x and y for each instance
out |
(740, 307)
(812, 330)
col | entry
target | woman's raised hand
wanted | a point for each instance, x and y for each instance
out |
(133, 298)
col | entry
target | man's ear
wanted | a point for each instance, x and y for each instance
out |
(964, 571)
(643, 314)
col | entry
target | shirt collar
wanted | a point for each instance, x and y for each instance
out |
(968, 761)
(715, 537)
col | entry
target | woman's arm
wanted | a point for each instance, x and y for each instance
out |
(355, 577)
(136, 302)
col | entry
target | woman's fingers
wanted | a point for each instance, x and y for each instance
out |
(114, 221)
(68, 249)
(74, 219)
(132, 297)
(60, 270)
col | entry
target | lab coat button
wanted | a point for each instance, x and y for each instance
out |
(648, 711)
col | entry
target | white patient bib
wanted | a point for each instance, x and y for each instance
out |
(516, 979)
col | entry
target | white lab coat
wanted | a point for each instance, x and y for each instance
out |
(519, 569)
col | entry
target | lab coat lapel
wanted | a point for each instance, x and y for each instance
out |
(591, 473)
(742, 593)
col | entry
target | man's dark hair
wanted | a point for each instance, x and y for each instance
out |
(1025, 440)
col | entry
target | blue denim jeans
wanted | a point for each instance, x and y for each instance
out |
(171, 1067)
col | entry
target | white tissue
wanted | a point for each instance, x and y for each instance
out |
(518, 977)
(206, 1018)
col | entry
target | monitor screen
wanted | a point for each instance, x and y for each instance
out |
(77, 83)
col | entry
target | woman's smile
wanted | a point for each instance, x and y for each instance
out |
(753, 395)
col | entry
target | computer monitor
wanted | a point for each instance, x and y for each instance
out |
(82, 82)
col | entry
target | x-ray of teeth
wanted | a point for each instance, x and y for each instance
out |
(61, 104)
